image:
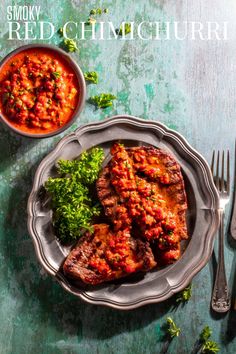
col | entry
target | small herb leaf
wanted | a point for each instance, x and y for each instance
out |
(124, 29)
(172, 330)
(56, 74)
(185, 294)
(91, 76)
(103, 100)
(205, 334)
(210, 347)
(70, 45)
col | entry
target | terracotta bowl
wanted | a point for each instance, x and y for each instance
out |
(81, 84)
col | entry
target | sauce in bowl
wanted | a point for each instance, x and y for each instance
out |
(39, 91)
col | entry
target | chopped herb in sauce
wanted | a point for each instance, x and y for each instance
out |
(56, 74)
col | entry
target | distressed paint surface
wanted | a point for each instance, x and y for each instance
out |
(188, 85)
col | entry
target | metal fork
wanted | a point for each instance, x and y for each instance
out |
(220, 297)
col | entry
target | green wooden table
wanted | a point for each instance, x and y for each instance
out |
(188, 85)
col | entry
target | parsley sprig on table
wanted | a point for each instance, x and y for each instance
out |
(98, 11)
(91, 76)
(185, 294)
(60, 32)
(124, 29)
(207, 346)
(72, 204)
(70, 45)
(103, 100)
(95, 12)
(205, 334)
(210, 347)
(172, 329)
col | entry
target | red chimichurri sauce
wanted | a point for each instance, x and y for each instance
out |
(38, 91)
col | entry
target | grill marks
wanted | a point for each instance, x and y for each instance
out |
(143, 195)
(106, 193)
(103, 256)
(159, 184)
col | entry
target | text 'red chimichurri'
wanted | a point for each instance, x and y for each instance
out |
(38, 91)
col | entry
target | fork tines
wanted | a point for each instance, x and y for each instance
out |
(221, 184)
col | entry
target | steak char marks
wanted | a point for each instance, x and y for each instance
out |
(143, 195)
(143, 187)
(102, 256)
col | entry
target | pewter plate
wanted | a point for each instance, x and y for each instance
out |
(202, 215)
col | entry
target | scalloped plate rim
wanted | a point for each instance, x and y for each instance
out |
(209, 184)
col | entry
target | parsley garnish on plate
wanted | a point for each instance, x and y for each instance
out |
(103, 100)
(72, 202)
(91, 76)
(185, 294)
(172, 329)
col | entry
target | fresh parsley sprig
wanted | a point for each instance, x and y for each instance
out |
(184, 295)
(86, 169)
(72, 202)
(70, 45)
(208, 346)
(60, 32)
(205, 334)
(95, 12)
(103, 100)
(172, 329)
(91, 76)
(123, 30)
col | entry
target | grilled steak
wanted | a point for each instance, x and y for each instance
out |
(103, 256)
(143, 195)
(142, 188)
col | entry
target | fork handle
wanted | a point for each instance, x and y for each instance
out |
(233, 219)
(220, 298)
